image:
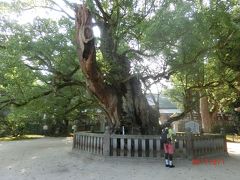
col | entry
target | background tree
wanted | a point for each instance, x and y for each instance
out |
(40, 75)
(191, 36)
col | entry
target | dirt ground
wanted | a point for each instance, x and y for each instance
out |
(52, 159)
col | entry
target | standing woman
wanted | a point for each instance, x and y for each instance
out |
(167, 138)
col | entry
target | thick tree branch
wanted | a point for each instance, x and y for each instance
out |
(47, 62)
(35, 68)
(158, 76)
(58, 87)
(105, 15)
(207, 85)
(177, 117)
(83, 104)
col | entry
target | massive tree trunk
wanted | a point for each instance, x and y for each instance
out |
(208, 118)
(122, 99)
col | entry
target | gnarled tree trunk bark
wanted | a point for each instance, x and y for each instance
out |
(123, 101)
(208, 118)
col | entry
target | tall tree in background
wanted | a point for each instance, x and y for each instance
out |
(198, 39)
(40, 78)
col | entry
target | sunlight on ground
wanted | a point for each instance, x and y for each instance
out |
(233, 148)
(233, 138)
(68, 140)
(24, 137)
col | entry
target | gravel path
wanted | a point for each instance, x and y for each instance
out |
(52, 159)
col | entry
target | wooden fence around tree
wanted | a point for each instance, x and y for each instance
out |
(149, 146)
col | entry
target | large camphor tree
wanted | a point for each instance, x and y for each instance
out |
(118, 91)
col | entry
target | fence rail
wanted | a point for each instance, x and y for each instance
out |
(88, 142)
(208, 144)
(186, 145)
